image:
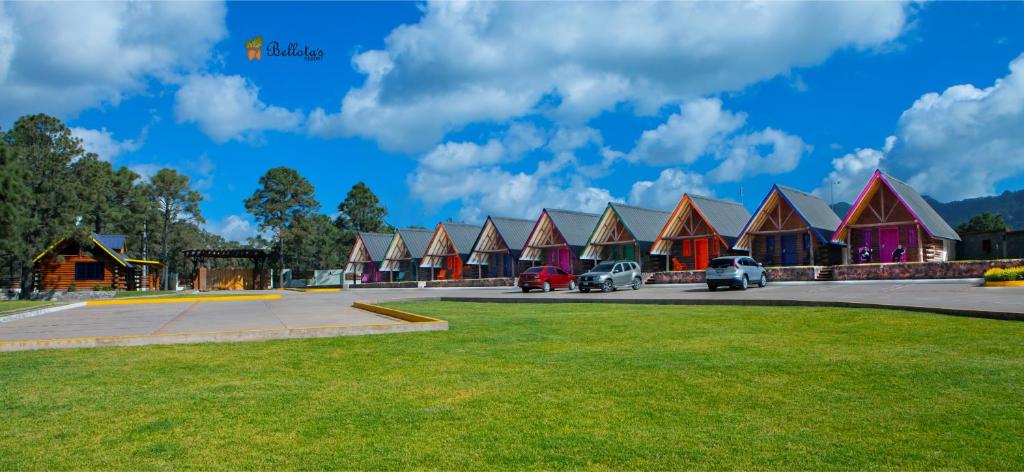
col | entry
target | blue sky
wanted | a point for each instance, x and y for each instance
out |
(465, 110)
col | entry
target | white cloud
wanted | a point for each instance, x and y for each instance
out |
(962, 142)
(850, 173)
(666, 191)
(464, 63)
(768, 151)
(103, 144)
(687, 135)
(954, 145)
(60, 58)
(232, 228)
(471, 174)
(228, 107)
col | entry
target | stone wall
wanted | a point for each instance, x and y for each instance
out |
(63, 296)
(774, 274)
(495, 282)
(408, 284)
(921, 270)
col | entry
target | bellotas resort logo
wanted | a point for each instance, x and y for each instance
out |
(255, 50)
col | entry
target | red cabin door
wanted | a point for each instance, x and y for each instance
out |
(700, 254)
(888, 239)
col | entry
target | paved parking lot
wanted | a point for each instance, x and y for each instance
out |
(302, 314)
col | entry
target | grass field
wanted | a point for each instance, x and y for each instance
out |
(540, 386)
(14, 306)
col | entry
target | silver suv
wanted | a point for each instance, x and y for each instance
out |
(608, 276)
(735, 271)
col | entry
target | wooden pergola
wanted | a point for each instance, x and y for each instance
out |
(258, 257)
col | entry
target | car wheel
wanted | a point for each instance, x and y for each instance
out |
(712, 288)
(572, 285)
(764, 280)
(585, 290)
(525, 290)
(547, 287)
(636, 283)
(607, 286)
(744, 283)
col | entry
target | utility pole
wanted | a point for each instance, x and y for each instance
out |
(145, 255)
(832, 194)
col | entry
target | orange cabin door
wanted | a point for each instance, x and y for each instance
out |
(700, 256)
(454, 267)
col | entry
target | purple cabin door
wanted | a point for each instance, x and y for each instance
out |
(888, 239)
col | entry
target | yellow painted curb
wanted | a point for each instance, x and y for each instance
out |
(146, 301)
(402, 315)
(1005, 283)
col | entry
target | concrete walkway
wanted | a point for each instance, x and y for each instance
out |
(299, 314)
(294, 315)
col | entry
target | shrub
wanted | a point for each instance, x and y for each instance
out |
(72, 288)
(1004, 275)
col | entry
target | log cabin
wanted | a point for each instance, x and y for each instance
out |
(402, 260)
(889, 214)
(448, 252)
(498, 246)
(791, 228)
(627, 232)
(101, 261)
(367, 255)
(557, 238)
(699, 230)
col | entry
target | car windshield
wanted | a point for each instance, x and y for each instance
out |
(603, 268)
(533, 270)
(721, 263)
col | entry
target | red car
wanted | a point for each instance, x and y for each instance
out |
(546, 278)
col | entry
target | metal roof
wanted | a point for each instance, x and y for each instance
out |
(574, 226)
(514, 231)
(112, 243)
(416, 240)
(814, 211)
(727, 218)
(462, 236)
(926, 215)
(643, 223)
(376, 244)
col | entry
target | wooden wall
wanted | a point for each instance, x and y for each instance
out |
(58, 273)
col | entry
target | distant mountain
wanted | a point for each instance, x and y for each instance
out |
(841, 209)
(1009, 204)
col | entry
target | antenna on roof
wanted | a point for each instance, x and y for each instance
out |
(741, 194)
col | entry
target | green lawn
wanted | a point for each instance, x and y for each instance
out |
(14, 306)
(540, 386)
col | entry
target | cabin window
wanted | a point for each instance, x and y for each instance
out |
(88, 271)
(986, 246)
(687, 248)
(714, 248)
(911, 237)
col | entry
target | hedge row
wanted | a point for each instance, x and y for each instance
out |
(1003, 275)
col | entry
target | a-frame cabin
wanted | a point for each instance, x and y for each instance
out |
(699, 230)
(448, 252)
(791, 228)
(557, 238)
(402, 259)
(498, 246)
(627, 232)
(364, 262)
(889, 215)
